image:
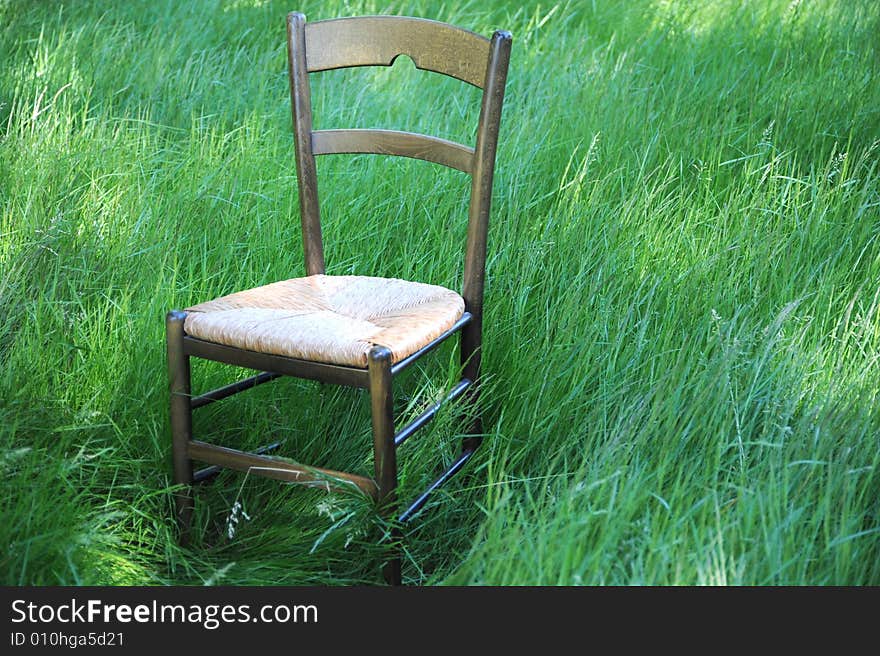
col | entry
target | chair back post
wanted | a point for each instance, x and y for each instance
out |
(481, 198)
(301, 107)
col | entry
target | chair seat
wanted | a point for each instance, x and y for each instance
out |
(331, 319)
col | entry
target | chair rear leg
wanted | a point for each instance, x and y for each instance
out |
(384, 450)
(471, 341)
(181, 420)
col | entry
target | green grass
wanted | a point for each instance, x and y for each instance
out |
(683, 306)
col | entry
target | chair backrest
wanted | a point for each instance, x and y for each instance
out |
(378, 41)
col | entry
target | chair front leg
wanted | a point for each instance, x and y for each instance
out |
(181, 420)
(384, 450)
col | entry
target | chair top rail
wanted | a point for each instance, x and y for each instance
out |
(379, 40)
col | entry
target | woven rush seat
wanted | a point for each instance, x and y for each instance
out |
(330, 319)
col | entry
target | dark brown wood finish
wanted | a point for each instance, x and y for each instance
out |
(325, 45)
(234, 388)
(326, 373)
(206, 473)
(409, 430)
(278, 469)
(384, 448)
(382, 407)
(379, 40)
(478, 225)
(393, 142)
(481, 200)
(306, 174)
(181, 419)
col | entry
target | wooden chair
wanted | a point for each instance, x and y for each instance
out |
(350, 330)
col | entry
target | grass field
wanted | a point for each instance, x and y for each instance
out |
(683, 309)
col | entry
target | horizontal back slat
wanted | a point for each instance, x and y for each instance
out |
(393, 142)
(377, 40)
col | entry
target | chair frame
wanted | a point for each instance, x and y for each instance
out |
(359, 41)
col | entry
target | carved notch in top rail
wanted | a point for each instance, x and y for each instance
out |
(378, 40)
(394, 142)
